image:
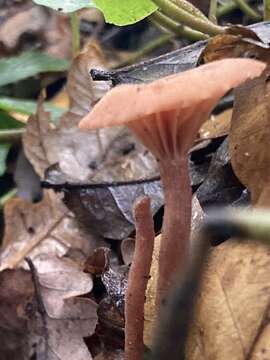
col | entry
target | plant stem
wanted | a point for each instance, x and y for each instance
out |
(251, 13)
(226, 8)
(152, 45)
(179, 15)
(165, 22)
(9, 195)
(75, 29)
(11, 135)
(138, 279)
(174, 245)
(266, 10)
(213, 11)
(187, 6)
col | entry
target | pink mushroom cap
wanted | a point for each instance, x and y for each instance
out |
(167, 113)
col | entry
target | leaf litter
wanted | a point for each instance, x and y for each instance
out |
(59, 238)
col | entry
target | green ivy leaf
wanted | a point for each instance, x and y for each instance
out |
(29, 107)
(29, 63)
(65, 5)
(125, 12)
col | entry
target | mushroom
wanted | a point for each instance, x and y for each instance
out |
(166, 116)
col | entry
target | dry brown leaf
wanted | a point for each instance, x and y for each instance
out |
(234, 45)
(231, 317)
(216, 125)
(43, 228)
(250, 136)
(51, 30)
(86, 156)
(149, 308)
(82, 90)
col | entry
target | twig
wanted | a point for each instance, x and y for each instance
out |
(213, 11)
(152, 45)
(251, 13)
(165, 22)
(11, 135)
(179, 15)
(75, 30)
(40, 305)
(172, 329)
(137, 280)
(266, 10)
(190, 8)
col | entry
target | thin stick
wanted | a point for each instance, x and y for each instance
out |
(179, 15)
(152, 45)
(213, 11)
(11, 135)
(251, 13)
(159, 19)
(40, 305)
(193, 10)
(75, 29)
(266, 10)
(137, 280)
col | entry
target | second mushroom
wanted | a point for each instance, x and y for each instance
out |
(166, 116)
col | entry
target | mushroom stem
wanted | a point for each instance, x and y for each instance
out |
(138, 279)
(176, 223)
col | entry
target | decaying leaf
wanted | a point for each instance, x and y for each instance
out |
(83, 92)
(16, 293)
(47, 29)
(43, 228)
(249, 137)
(56, 333)
(237, 42)
(231, 318)
(216, 125)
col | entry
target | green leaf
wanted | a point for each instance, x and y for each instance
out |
(8, 122)
(125, 12)
(65, 5)
(4, 149)
(29, 107)
(28, 64)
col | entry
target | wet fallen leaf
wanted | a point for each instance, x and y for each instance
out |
(231, 317)
(249, 137)
(43, 228)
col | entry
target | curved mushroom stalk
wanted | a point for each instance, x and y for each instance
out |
(166, 116)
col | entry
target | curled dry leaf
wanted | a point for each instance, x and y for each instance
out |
(231, 317)
(127, 250)
(83, 92)
(237, 42)
(249, 137)
(46, 227)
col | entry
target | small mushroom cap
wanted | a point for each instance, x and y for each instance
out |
(126, 103)
(167, 114)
